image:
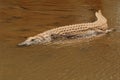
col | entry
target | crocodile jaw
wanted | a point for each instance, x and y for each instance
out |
(24, 44)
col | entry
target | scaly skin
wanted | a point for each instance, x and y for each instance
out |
(83, 30)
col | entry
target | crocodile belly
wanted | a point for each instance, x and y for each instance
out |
(75, 35)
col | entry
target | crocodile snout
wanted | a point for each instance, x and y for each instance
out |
(23, 44)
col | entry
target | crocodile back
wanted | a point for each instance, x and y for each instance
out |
(100, 23)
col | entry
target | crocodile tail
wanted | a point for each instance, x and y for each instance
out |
(101, 20)
(100, 17)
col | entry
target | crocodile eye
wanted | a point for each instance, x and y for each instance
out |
(32, 39)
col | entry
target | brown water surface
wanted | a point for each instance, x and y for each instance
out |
(95, 60)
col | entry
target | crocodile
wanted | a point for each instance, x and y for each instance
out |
(82, 30)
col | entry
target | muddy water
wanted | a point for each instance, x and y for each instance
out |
(95, 60)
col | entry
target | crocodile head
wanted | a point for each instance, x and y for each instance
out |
(31, 41)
